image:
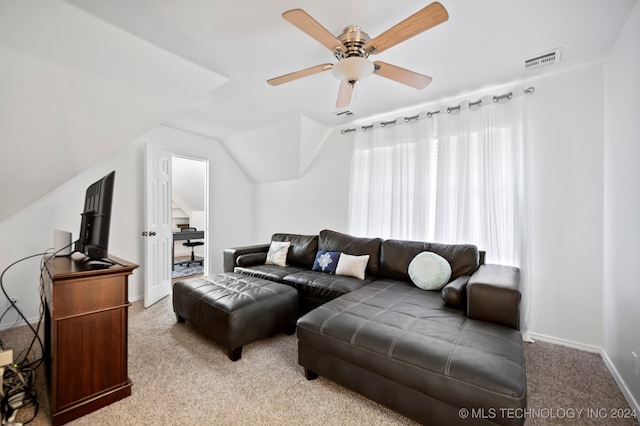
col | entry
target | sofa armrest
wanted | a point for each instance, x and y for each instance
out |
(493, 294)
(251, 259)
(454, 293)
(230, 255)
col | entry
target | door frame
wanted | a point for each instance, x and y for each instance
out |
(207, 244)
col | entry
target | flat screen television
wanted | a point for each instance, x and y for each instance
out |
(93, 241)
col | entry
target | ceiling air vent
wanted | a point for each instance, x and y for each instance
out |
(344, 114)
(543, 59)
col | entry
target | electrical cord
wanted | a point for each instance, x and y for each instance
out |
(17, 382)
(16, 388)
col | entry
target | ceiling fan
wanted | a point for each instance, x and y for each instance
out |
(353, 47)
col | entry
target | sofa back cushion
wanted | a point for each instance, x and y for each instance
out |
(302, 251)
(336, 241)
(397, 254)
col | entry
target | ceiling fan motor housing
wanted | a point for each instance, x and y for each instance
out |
(353, 39)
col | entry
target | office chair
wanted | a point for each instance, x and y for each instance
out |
(193, 244)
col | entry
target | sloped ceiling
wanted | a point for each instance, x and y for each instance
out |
(81, 78)
(483, 44)
(75, 89)
(280, 151)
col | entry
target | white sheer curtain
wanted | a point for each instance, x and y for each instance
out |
(482, 195)
(457, 177)
(393, 181)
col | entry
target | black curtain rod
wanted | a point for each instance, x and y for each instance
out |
(432, 113)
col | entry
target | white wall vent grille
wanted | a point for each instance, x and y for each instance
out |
(542, 60)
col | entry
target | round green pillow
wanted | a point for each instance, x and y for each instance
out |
(429, 271)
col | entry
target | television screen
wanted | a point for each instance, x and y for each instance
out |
(93, 241)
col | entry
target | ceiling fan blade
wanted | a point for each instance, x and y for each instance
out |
(344, 95)
(306, 23)
(401, 75)
(420, 21)
(299, 74)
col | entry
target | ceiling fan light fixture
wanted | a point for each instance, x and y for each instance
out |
(353, 69)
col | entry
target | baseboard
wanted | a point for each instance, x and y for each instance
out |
(620, 382)
(12, 324)
(565, 342)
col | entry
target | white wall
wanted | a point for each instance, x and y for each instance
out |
(566, 127)
(316, 201)
(275, 150)
(30, 231)
(621, 293)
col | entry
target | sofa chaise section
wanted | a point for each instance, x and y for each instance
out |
(402, 347)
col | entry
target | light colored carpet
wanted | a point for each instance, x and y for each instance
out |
(182, 378)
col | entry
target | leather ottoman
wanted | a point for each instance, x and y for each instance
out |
(234, 309)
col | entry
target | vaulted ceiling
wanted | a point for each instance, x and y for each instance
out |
(82, 78)
(483, 43)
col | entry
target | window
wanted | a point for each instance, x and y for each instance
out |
(457, 177)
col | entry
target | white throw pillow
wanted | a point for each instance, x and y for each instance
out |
(277, 254)
(352, 266)
(429, 271)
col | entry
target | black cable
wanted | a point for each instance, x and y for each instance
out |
(36, 363)
(13, 304)
(21, 367)
(19, 394)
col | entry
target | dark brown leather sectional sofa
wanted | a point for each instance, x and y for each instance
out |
(445, 357)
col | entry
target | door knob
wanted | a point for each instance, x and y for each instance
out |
(152, 233)
(144, 233)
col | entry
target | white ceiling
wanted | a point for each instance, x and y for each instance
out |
(482, 44)
(81, 79)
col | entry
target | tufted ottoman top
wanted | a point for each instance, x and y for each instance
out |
(231, 292)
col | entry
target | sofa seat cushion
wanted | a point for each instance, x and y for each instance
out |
(319, 285)
(407, 335)
(268, 272)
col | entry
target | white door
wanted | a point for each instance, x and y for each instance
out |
(157, 230)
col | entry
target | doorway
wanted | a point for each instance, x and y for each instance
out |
(159, 231)
(189, 216)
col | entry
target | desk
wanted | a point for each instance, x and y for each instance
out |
(184, 235)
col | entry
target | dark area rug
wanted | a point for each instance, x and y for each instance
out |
(180, 271)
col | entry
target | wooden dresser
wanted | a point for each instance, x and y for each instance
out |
(86, 320)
